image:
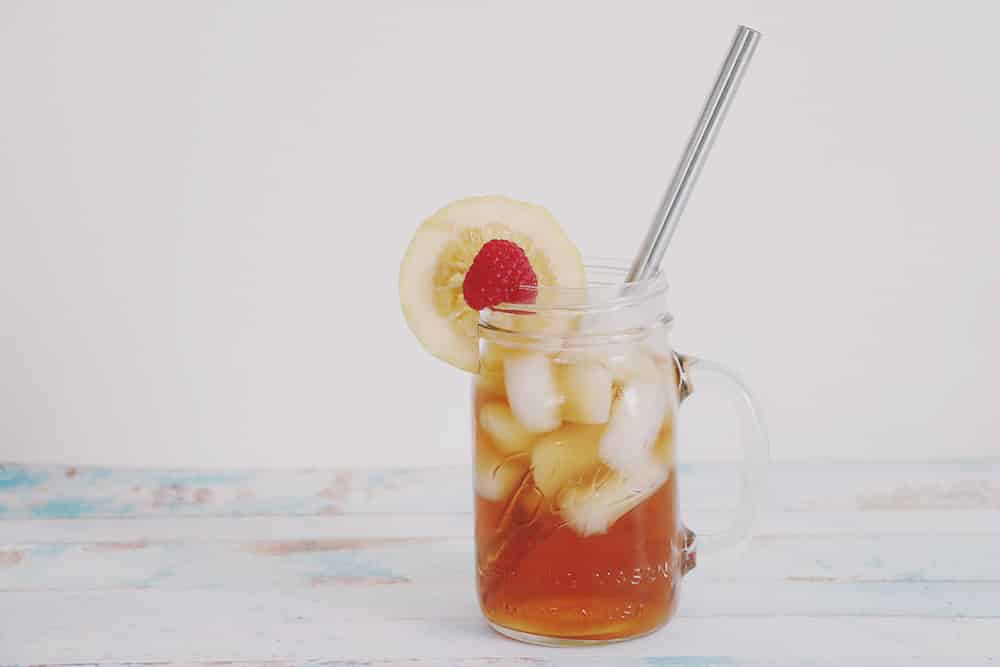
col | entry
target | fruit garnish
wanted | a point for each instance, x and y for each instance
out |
(441, 252)
(499, 274)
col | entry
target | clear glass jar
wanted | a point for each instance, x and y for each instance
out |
(578, 535)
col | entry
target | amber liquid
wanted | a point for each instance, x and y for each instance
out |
(568, 546)
(538, 575)
(552, 582)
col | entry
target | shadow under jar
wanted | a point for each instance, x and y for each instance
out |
(578, 535)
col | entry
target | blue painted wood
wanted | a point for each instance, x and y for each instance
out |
(898, 563)
(874, 564)
(46, 492)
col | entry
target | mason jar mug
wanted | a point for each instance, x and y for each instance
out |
(578, 533)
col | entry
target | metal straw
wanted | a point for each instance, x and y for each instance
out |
(656, 241)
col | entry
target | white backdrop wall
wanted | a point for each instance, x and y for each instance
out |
(203, 207)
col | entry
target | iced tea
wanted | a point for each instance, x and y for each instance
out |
(577, 529)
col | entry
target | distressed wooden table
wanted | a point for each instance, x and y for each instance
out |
(852, 564)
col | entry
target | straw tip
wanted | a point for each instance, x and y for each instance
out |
(750, 31)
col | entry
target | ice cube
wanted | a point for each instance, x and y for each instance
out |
(624, 360)
(563, 455)
(532, 391)
(623, 364)
(490, 378)
(671, 376)
(497, 475)
(587, 390)
(508, 435)
(592, 507)
(636, 418)
(663, 448)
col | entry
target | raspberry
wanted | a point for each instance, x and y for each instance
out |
(497, 274)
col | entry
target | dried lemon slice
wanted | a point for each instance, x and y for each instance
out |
(441, 251)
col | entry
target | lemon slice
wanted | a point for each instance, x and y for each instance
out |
(441, 251)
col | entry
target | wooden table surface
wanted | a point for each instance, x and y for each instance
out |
(874, 564)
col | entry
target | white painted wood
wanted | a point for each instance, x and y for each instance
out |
(242, 528)
(937, 522)
(380, 597)
(582, 661)
(273, 564)
(578, 660)
(852, 564)
(69, 492)
(132, 625)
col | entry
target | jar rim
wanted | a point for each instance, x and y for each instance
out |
(606, 290)
(607, 311)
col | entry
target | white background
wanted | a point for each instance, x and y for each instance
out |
(203, 207)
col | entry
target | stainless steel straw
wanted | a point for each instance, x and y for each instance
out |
(656, 241)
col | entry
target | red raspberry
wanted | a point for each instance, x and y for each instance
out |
(497, 274)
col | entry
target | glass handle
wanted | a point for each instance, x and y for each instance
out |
(701, 374)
